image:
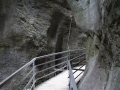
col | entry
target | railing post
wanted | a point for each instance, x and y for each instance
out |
(72, 80)
(68, 69)
(33, 75)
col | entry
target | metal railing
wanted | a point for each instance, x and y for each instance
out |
(42, 68)
(72, 84)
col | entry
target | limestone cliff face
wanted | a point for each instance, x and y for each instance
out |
(100, 20)
(30, 28)
(87, 13)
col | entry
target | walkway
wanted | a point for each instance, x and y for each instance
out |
(60, 82)
(28, 73)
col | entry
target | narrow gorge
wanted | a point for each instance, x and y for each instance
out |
(32, 28)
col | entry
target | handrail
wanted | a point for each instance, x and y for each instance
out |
(25, 77)
(51, 61)
(2, 83)
(53, 54)
(16, 72)
(72, 80)
(49, 74)
(51, 67)
(77, 57)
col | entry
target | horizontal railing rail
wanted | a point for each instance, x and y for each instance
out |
(56, 65)
(16, 72)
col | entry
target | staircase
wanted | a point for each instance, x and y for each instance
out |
(60, 71)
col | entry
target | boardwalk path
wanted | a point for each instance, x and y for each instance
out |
(59, 82)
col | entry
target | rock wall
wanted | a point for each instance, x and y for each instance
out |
(31, 28)
(100, 20)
